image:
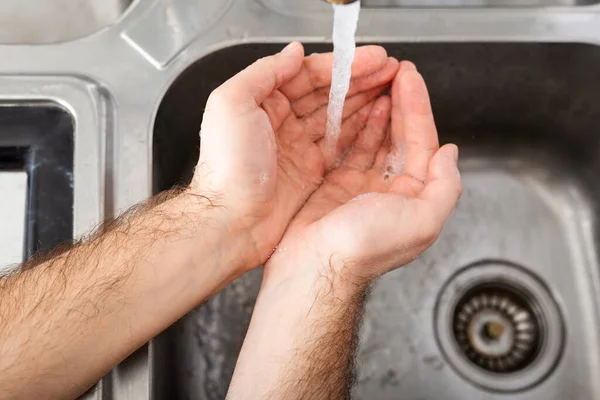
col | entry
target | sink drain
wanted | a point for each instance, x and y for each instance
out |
(499, 327)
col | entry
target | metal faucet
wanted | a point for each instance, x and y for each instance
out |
(340, 1)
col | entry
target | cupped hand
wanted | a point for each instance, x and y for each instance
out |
(262, 135)
(387, 201)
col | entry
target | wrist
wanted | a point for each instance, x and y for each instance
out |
(306, 257)
(310, 273)
(234, 227)
(216, 240)
(312, 322)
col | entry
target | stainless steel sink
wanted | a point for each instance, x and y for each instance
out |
(524, 234)
(54, 21)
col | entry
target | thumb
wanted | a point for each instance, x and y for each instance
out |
(254, 84)
(444, 185)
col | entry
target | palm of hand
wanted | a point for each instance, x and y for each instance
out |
(262, 137)
(403, 188)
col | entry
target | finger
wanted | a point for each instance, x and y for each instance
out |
(413, 123)
(397, 155)
(277, 107)
(384, 150)
(320, 97)
(350, 129)
(253, 85)
(316, 123)
(444, 185)
(365, 148)
(316, 70)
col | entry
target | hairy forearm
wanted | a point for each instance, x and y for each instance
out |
(65, 322)
(302, 340)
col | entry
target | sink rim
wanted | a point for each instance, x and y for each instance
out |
(32, 32)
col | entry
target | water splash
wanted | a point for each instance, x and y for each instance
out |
(344, 47)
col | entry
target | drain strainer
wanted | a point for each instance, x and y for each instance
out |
(496, 329)
(499, 326)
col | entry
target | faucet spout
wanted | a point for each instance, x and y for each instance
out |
(341, 1)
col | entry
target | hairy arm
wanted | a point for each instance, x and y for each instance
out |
(67, 319)
(303, 337)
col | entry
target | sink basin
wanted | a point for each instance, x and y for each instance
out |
(524, 236)
(54, 21)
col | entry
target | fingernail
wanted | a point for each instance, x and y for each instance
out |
(290, 47)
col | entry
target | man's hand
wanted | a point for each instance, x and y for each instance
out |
(384, 205)
(262, 135)
(389, 199)
(69, 318)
